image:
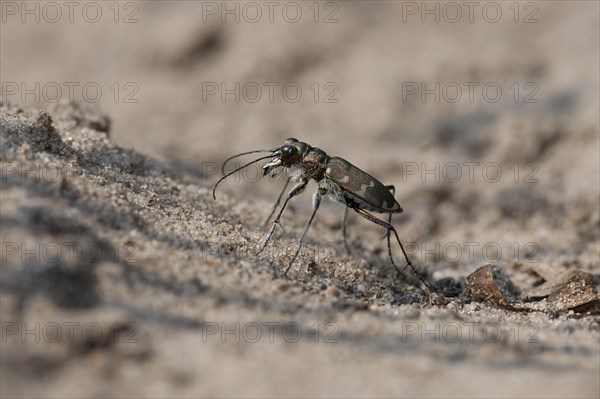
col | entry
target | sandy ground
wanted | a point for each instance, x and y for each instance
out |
(122, 277)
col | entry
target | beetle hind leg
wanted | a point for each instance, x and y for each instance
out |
(389, 232)
(391, 229)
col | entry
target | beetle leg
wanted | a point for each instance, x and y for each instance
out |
(316, 203)
(391, 228)
(299, 188)
(344, 232)
(393, 190)
(277, 201)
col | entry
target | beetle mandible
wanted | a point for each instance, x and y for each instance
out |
(338, 179)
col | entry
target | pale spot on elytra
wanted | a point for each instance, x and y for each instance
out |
(363, 189)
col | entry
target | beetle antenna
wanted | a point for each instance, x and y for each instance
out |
(239, 155)
(240, 168)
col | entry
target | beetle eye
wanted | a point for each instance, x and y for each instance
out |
(288, 151)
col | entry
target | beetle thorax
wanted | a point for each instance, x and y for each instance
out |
(314, 164)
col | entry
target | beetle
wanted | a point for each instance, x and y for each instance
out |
(336, 178)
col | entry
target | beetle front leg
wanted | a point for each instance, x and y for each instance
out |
(293, 192)
(316, 203)
(278, 200)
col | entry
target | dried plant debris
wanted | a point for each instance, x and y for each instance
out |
(555, 283)
(572, 290)
(576, 293)
(491, 284)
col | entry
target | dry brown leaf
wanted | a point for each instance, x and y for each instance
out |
(491, 284)
(575, 293)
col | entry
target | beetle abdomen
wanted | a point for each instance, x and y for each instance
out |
(360, 187)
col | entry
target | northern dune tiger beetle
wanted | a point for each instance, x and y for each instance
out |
(336, 178)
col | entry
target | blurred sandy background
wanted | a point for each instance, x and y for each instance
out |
(362, 69)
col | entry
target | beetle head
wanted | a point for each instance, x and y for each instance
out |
(290, 153)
